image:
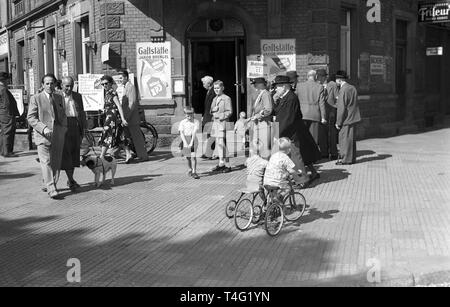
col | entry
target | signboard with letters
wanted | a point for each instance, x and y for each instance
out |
(434, 12)
(255, 69)
(154, 70)
(4, 44)
(279, 56)
(432, 51)
(89, 86)
(377, 65)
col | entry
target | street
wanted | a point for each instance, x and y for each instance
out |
(383, 221)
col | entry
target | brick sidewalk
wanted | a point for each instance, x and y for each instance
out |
(157, 227)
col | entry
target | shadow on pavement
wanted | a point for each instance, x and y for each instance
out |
(32, 256)
(233, 169)
(12, 176)
(327, 176)
(371, 159)
(160, 156)
(314, 215)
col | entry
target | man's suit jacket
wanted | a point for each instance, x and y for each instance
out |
(81, 115)
(312, 100)
(331, 93)
(41, 115)
(264, 106)
(130, 105)
(223, 112)
(210, 95)
(10, 107)
(347, 106)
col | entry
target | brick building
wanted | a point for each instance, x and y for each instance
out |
(401, 89)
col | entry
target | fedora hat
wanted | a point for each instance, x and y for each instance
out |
(281, 80)
(341, 74)
(258, 81)
(292, 75)
(321, 72)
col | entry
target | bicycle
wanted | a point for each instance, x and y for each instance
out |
(291, 208)
(246, 211)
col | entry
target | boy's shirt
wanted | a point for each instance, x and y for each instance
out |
(188, 127)
(278, 170)
(240, 126)
(256, 167)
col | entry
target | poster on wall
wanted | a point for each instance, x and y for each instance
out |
(4, 45)
(89, 86)
(18, 96)
(255, 69)
(154, 70)
(31, 81)
(279, 56)
(377, 65)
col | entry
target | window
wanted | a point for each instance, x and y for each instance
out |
(346, 40)
(82, 55)
(19, 7)
(47, 59)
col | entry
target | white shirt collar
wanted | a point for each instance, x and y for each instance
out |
(284, 95)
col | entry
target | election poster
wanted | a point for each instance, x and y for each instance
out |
(89, 86)
(154, 70)
(279, 56)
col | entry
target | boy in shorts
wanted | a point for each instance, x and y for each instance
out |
(188, 132)
(256, 167)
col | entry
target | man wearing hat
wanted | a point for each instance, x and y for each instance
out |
(348, 116)
(8, 113)
(328, 135)
(290, 125)
(261, 116)
(312, 103)
(293, 77)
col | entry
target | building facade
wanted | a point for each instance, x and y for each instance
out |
(383, 48)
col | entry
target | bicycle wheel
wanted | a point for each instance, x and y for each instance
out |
(230, 208)
(294, 206)
(243, 215)
(274, 219)
(150, 136)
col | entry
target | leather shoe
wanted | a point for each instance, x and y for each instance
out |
(73, 185)
(342, 163)
(226, 170)
(218, 168)
(53, 194)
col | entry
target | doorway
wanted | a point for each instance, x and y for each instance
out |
(219, 53)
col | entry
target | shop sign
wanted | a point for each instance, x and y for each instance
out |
(89, 86)
(377, 65)
(432, 51)
(279, 56)
(434, 12)
(4, 44)
(255, 69)
(154, 70)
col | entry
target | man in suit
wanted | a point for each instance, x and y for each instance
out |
(348, 116)
(261, 117)
(328, 135)
(47, 116)
(312, 104)
(130, 105)
(76, 125)
(8, 113)
(290, 125)
(207, 117)
(221, 111)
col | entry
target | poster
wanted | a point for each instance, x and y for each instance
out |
(377, 65)
(4, 44)
(105, 53)
(65, 68)
(255, 69)
(279, 56)
(31, 81)
(18, 96)
(89, 86)
(154, 75)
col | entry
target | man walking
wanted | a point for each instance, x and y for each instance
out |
(328, 135)
(130, 105)
(348, 116)
(8, 113)
(47, 116)
(312, 103)
(76, 125)
(207, 117)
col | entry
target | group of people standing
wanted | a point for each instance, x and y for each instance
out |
(59, 123)
(315, 116)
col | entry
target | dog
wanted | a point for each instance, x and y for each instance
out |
(101, 166)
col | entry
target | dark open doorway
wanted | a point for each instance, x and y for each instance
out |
(223, 59)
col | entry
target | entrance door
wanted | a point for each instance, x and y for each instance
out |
(223, 60)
